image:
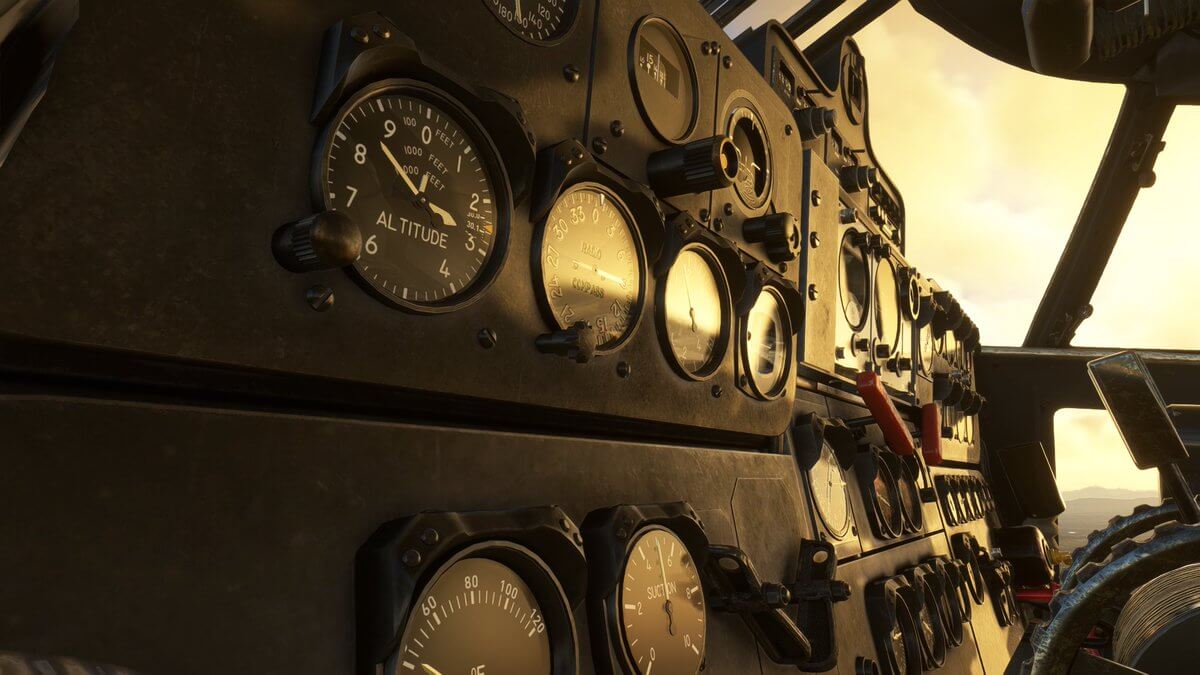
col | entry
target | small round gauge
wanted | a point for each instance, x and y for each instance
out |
(947, 604)
(664, 79)
(887, 309)
(910, 494)
(904, 648)
(694, 312)
(476, 610)
(540, 22)
(416, 173)
(929, 625)
(854, 277)
(926, 353)
(753, 182)
(591, 263)
(767, 344)
(827, 483)
(662, 605)
(887, 497)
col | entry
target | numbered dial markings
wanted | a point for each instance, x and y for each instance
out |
(662, 606)
(537, 21)
(695, 311)
(420, 186)
(591, 263)
(478, 616)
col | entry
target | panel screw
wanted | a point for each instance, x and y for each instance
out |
(787, 130)
(360, 35)
(571, 73)
(429, 537)
(717, 391)
(487, 338)
(706, 48)
(816, 197)
(411, 558)
(577, 538)
(577, 152)
(743, 380)
(716, 47)
(320, 298)
(814, 240)
(728, 209)
(564, 524)
(704, 215)
(599, 145)
(783, 267)
(727, 62)
(382, 31)
(624, 370)
(621, 533)
(813, 293)
(616, 129)
(717, 224)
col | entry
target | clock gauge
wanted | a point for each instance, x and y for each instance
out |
(415, 172)
(591, 263)
(694, 312)
(662, 606)
(767, 345)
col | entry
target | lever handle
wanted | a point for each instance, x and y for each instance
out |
(895, 431)
(737, 589)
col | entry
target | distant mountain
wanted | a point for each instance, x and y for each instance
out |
(1096, 492)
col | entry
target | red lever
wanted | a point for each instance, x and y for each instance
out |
(1037, 596)
(895, 431)
(931, 434)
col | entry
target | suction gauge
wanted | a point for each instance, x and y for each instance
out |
(664, 79)
(662, 605)
(540, 22)
(745, 129)
(591, 263)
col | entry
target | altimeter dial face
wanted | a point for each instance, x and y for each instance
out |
(414, 172)
(828, 484)
(477, 613)
(695, 311)
(662, 611)
(591, 263)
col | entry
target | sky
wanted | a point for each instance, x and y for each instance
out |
(994, 163)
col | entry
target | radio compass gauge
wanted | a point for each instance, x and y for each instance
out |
(753, 182)
(662, 605)
(540, 22)
(591, 263)
(415, 172)
(694, 312)
(767, 345)
(828, 488)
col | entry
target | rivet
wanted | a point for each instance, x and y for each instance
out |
(599, 145)
(616, 129)
(571, 73)
(787, 130)
(564, 524)
(814, 240)
(360, 35)
(728, 209)
(813, 293)
(816, 197)
(429, 537)
(411, 558)
(624, 370)
(320, 298)
(487, 338)
(704, 215)
(382, 31)
(727, 61)
(717, 391)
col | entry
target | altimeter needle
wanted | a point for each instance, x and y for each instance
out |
(418, 193)
(399, 169)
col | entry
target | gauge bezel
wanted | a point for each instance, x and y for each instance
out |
(890, 606)
(842, 532)
(877, 302)
(948, 601)
(608, 536)
(966, 550)
(690, 65)
(539, 278)
(721, 349)
(868, 464)
(933, 653)
(906, 475)
(869, 281)
(537, 575)
(785, 378)
(568, 27)
(732, 109)
(486, 150)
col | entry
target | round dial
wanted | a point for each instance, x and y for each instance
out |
(887, 497)
(664, 79)
(536, 21)
(753, 182)
(887, 307)
(910, 494)
(695, 311)
(413, 170)
(662, 605)
(853, 278)
(900, 648)
(930, 625)
(903, 641)
(476, 611)
(590, 262)
(828, 485)
(767, 344)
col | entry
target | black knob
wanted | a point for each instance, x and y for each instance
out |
(900, 364)
(971, 341)
(778, 232)
(949, 314)
(855, 178)
(947, 388)
(977, 401)
(324, 241)
(882, 350)
(962, 330)
(577, 343)
(861, 344)
(814, 122)
(699, 166)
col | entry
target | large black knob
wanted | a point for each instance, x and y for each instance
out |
(855, 178)
(814, 122)
(947, 388)
(699, 166)
(320, 242)
(778, 232)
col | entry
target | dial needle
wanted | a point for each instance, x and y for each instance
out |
(400, 170)
(667, 605)
(687, 286)
(517, 9)
(600, 273)
(430, 670)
